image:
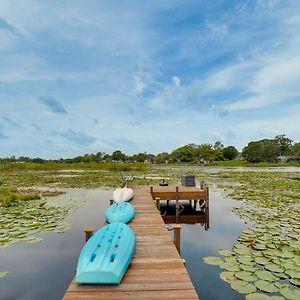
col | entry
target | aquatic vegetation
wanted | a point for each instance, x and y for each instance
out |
(13, 197)
(3, 274)
(22, 214)
(268, 254)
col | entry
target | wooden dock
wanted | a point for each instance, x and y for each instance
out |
(156, 271)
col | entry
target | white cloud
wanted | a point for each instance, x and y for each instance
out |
(139, 85)
(176, 81)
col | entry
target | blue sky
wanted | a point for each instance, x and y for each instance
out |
(86, 76)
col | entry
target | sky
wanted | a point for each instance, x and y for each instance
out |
(83, 76)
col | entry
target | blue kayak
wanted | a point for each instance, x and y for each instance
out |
(106, 256)
(119, 212)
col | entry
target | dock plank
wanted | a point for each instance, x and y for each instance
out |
(156, 271)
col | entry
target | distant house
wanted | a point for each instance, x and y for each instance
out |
(286, 158)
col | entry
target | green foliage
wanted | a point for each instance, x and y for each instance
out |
(162, 158)
(230, 152)
(263, 150)
(11, 197)
(285, 144)
(267, 150)
(207, 153)
(118, 155)
(296, 149)
(185, 153)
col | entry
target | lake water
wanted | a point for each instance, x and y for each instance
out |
(44, 270)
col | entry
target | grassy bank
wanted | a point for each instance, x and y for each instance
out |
(244, 163)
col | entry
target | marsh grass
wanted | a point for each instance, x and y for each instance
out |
(12, 197)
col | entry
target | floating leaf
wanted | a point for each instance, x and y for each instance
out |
(246, 260)
(258, 296)
(265, 275)
(33, 240)
(274, 268)
(295, 281)
(243, 287)
(232, 267)
(213, 260)
(227, 276)
(247, 268)
(245, 276)
(262, 260)
(225, 252)
(293, 273)
(3, 274)
(290, 293)
(266, 286)
(230, 259)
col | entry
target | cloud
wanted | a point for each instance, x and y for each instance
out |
(79, 138)
(53, 105)
(11, 122)
(6, 26)
(139, 85)
(176, 81)
(121, 142)
(2, 135)
(230, 70)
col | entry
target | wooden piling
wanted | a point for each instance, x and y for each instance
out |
(206, 188)
(88, 230)
(177, 229)
(177, 205)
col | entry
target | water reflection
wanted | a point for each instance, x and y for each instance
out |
(191, 212)
(197, 242)
(44, 270)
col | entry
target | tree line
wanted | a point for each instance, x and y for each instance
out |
(280, 148)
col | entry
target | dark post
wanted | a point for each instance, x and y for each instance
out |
(207, 205)
(177, 228)
(89, 230)
(177, 205)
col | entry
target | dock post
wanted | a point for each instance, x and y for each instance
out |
(111, 202)
(207, 205)
(202, 183)
(177, 228)
(177, 205)
(88, 230)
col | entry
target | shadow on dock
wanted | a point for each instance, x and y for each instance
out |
(191, 212)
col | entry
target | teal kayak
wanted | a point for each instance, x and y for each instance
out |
(119, 212)
(106, 256)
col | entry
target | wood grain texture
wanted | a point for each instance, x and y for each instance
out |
(156, 271)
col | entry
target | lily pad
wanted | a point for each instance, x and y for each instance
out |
(3, 274)
(34, 239)
(293, 274)
(232, 267)
(290, 293)
(295, 281)
(266, 286)
(227, 276)
(262, 260)
(266, 275)
(245, 276)
(213, 260)
(247, 268)
(243, 287)
(258, 296)
(274, 268)
(225, 252)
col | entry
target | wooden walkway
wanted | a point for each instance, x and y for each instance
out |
(156, 271)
